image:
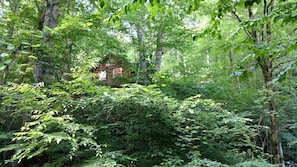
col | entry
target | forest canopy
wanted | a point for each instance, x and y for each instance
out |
(148, 83)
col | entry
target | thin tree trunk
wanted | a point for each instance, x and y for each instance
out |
(142, 68)
(267, 69)
(266, 64)
(278, 156)
(275, 139)
(159, 52)
(231, 59)
(68, 59)
(207, 57)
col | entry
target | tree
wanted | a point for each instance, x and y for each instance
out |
(265, 43)
(48, 13)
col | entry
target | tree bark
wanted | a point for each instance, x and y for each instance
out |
(159, 51)
(142, 68)
(231, 59)
(51, 14)
(267, 71)
(48, 15)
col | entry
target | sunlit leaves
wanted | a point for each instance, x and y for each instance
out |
(47, 128)
(193, 6)
(286, 12)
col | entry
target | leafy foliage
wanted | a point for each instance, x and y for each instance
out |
(141, 122)
(223, 94)
(46, 129)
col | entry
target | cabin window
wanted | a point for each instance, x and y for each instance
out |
(117, 72)
(102, 75)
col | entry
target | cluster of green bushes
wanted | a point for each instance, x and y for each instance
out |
(76, 123)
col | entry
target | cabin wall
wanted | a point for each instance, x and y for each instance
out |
(109, 69)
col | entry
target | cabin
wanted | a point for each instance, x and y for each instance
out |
(112, 71)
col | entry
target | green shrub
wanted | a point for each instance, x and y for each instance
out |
(70, 122)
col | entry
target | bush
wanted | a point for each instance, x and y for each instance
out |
(70, 123)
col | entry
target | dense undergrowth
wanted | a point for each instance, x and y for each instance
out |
(76, 123)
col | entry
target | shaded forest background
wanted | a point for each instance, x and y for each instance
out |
(209, 83)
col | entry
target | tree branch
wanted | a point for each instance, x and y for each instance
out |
(249, 34)
(253, 32)
(265, 11)
(270, 5)
(280, 64)
(237, 17)
(278, 57)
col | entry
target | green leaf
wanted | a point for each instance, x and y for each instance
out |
(25, 52)
(7, 61)
(38, 152)
(102, 3)
(36, 45)
(11, 147)
(32, 57)
(10, 47)
(2, 68)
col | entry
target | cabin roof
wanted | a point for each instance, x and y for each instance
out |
(112, 61)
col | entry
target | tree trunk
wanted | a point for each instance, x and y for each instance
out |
(278, 156)
(68, 59)
(142, 68)
(231, 59)
(159, 52)
(263, 36)
(48, 15)
(267, 71)
(266, 64)
(275, 138)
